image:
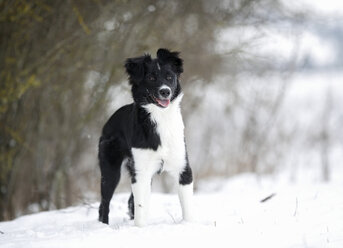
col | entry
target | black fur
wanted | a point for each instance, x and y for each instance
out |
(131, 126)
(186, 177)
(131, 207)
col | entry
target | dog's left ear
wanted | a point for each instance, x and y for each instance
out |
(165, 56)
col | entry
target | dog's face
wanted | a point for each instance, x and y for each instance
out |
(155, 81)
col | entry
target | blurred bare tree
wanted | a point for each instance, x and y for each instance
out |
(49, 107)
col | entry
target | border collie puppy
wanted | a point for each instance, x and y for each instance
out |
(147, 136)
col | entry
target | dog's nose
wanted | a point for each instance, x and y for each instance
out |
(165, 92)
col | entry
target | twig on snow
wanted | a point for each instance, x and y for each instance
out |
(268, 197)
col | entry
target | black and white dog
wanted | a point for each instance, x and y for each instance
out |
(147, 136)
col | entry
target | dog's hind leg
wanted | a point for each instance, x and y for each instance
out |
(109, 181)
(110, 162)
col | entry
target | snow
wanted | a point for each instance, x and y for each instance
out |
(305, 213)
(229, 212)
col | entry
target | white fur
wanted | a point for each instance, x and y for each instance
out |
(147, 162)
(141, 192)
(172, 152)
(185, 196)
(169, 125)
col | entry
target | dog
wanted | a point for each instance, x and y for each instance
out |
(147, 136)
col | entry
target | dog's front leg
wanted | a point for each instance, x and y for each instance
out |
(186, 193)
(141, 190)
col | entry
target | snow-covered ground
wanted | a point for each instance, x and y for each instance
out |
(305, 213)
(230, 214)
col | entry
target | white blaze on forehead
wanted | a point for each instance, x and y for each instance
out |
(158, 66)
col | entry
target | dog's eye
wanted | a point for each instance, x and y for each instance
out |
(169, 77)
(151, 78)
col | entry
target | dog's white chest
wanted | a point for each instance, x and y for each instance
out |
(170, 128)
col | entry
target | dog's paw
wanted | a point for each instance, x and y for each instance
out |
(139, 222)
(189, 218)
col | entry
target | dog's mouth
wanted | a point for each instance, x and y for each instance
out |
(161, 102)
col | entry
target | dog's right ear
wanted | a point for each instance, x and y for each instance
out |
(135, 68)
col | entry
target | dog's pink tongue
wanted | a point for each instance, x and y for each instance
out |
(163, 103)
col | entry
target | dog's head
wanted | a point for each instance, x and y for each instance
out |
(155, 81)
